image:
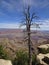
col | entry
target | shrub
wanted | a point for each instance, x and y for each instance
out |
(43, 50)
(34, 60)
(48, 50)
(21, 58)
(3, 55)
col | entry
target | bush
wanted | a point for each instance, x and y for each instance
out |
(43, 50)
(3, 55)
(34, 60)
(21, 58)
(48, 50)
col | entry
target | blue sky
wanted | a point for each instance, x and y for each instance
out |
(11, 12)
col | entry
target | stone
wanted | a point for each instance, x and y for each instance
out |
(5, 62)
(46, 46)
(40, 58)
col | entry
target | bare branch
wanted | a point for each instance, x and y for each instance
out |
(25, 40)
(35, 25)
(23, 24)
(34, 16)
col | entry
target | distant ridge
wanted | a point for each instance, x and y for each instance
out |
(11, 29)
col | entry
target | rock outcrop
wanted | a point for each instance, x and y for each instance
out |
(46, 46)
(43, 56)
(5, 62)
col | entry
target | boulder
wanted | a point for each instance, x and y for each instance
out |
(43, 54)
(43, 58)
(44, 46)
(5, 62)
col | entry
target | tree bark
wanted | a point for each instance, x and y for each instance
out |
(29, 45)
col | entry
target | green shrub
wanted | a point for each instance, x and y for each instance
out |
(48, 50)
(21, 58)
(43, 50)
(3, 55)
(34, 60)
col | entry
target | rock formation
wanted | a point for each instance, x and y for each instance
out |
(43, 56)
(5, 62)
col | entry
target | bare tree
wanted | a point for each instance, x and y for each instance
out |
(28, 22)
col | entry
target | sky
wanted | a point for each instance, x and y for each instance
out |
(11, 12)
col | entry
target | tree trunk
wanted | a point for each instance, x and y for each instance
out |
(29, 46)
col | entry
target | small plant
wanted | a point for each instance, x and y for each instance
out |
(48, 50)
(3, 55)
(34, 60)
(21, 58)
(43, 50)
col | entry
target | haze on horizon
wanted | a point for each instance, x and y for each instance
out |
(11, 12)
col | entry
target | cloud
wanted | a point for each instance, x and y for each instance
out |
(36, 3)
(17, 5)
(44, 25)
(1, 13)
(7, 6)
(9, 25)
(12, 5)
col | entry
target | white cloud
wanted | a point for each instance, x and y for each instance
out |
(17, 5)
(44, 25)
(36, 3)
(9, 25)
(7, 6)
